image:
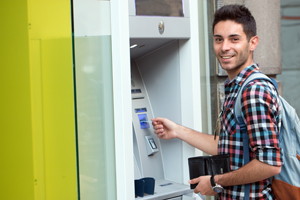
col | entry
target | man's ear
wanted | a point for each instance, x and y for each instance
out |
(253, 42)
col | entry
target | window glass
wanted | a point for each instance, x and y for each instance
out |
(94, 98)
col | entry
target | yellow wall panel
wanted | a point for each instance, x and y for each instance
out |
(50, 19)
(16, 159)
(37, 120)
(59, 127)
(50, 23)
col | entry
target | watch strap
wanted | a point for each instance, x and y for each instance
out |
(212, 181)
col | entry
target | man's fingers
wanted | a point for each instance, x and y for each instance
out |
(157, 121)
(154, 123)
(157, 126)
(194, 181)
(160, 135)
(159, 131)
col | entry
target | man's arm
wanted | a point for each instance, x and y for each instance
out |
(254, 171)
(167, 129)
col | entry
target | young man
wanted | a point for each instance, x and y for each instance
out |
(235, 39)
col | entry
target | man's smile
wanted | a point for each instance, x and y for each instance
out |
(226, 57)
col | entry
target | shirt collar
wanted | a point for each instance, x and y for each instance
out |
(239, 79)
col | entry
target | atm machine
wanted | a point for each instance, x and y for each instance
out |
(151, 159)
(162, 85)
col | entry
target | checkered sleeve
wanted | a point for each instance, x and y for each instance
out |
(261, 114)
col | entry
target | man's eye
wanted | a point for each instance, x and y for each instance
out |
(218, 39)
(235, 39)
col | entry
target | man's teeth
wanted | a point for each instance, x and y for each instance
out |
(226, 57)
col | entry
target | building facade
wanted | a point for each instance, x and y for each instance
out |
(67, 114)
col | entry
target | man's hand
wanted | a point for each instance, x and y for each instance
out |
(204, 185)
(164, 128)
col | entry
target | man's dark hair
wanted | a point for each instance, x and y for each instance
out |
(239, 14)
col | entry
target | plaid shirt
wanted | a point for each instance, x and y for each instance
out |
(261, 115)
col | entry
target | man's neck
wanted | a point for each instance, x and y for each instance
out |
(233, 73)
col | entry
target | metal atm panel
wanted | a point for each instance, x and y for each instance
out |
(157, 93)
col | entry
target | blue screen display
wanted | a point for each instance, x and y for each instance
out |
(137, 110)
(143, 121)
(136, 91)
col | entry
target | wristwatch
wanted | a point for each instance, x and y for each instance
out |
(216, 187)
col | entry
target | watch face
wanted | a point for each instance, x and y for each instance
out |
(218, 189)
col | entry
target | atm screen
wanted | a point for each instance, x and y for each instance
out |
(159, 7)
(137, 110)
(143, 121)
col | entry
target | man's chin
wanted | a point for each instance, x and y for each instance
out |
(226, 66)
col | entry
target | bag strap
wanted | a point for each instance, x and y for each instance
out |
(252, 77)
(239, 118)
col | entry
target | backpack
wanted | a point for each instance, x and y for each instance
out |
(285, 185)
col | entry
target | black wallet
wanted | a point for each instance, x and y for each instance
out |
(208, 165)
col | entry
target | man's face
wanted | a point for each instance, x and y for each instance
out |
(232, 47)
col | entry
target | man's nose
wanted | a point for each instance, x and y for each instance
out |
(225, 45)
